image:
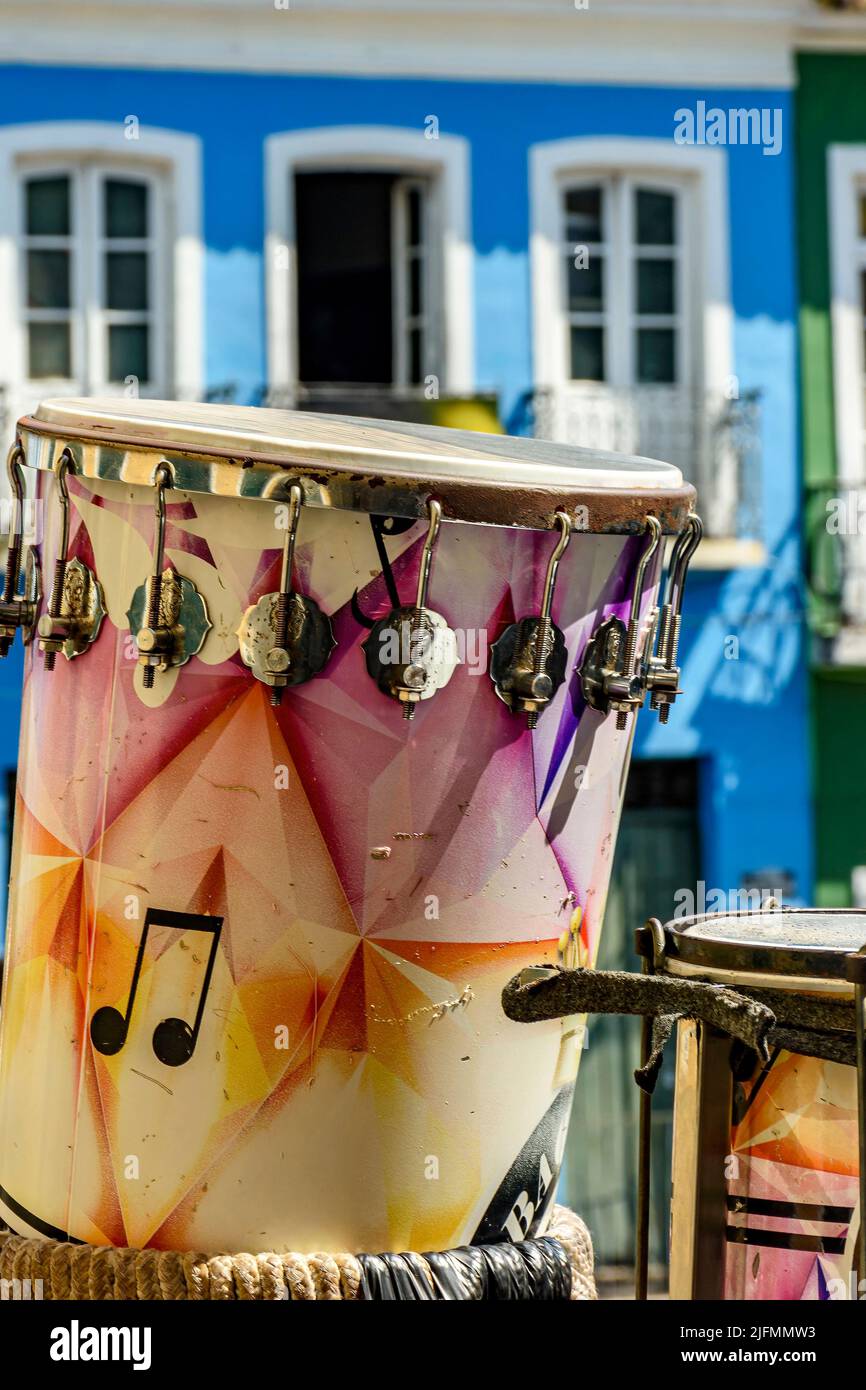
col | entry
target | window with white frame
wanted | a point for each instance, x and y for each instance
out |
(855, 424)
(92, 283)
(625, 286)
(101, 262)
(847, 235)
(632, 322)
(629, 259)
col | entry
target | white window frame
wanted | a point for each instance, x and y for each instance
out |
(846, 170)
(444, 164)
(171, 163)
(699, 170)
(89, 315)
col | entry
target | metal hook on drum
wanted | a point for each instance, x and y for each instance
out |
(654, 531)
(18, 610)
(663, 674)
(527, 663)
(167, 613)
(285, 639)
(77, 605)
(615, 673)
(412, 652)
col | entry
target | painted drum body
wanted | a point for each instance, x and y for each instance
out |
(342, 894)
(765, 1168)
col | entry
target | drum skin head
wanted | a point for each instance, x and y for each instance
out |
(387, 467)
(790, 943)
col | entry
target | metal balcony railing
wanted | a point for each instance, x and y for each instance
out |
(715, 442)
(412, 404)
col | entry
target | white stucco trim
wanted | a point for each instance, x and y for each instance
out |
(733, 43)
(178, 157)
(445, 159)
(846, 177)
(553, 162)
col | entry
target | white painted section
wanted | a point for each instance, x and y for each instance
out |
(732, 44)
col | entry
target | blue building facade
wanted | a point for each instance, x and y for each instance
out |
(743, 716)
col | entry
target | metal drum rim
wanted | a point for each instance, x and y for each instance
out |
(796, 966)
(376, 484)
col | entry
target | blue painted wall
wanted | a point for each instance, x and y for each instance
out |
(746, 718)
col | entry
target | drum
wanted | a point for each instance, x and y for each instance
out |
(765, 1163)
(307, 771)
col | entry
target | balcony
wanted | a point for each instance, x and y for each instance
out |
(411, 404)
(715, 442)
(836, 558)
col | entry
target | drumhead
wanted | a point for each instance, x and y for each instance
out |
(792, 947)
(345, 460)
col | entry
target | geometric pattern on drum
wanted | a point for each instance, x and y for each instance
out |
(792, 1190)
(346, 951)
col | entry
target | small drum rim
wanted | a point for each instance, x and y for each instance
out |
(386, 491)
(818, 968)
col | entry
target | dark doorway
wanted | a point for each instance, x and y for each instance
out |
(345, 312)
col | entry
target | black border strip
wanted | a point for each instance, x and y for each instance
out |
(785, 1240)
(43, 1227)
(789, 1211)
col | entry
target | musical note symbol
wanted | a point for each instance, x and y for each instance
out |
(174, 1039)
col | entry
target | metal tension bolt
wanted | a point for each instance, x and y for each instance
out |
(18, 610)
(611, 673)
(622, 664)
(527, 663)
(167, 613)
(77, 605)
(412, 652)
(285, 639)
(663, 674)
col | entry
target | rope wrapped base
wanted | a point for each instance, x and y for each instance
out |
(558, 1265)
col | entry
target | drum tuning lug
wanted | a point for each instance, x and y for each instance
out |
(612, 673)
(167, 613)
(77, 605)
(412, 652)
(18, 609)
(527, 663)
(662, 671)
(285, 639)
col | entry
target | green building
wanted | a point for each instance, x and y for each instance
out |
(831, 219)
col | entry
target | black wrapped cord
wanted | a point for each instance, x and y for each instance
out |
(527, 1270)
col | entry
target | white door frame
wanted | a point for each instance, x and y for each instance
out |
(445, 159)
